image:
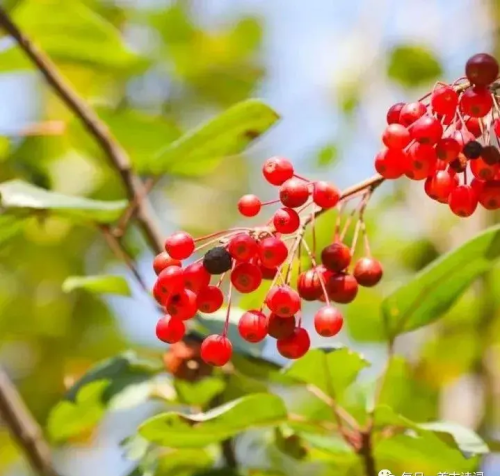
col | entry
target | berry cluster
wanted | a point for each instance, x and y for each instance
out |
(450, 132)
(249, 256)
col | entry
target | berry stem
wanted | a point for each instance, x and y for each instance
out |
(229, 301)
(301, 178)
(320, 276)
(270, 202)
(293, 250)
(222, 232)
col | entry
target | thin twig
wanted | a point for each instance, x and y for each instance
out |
(24, 429)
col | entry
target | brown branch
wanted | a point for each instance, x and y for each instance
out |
(366, 453)
(24, 428)
(117, 156)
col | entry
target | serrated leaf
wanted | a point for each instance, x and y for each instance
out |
(92, 41)
(19, 195)
(179, 430)
(229, 133)
(434, 290)
(98, 284)
(413, 65)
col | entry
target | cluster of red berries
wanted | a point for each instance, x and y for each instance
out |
(251, 255)
(450, 132)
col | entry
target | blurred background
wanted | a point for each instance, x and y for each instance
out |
(331, 69)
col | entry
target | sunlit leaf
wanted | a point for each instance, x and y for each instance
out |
(199, 393)
(98, 284)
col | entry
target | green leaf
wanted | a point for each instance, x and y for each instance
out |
(185, 461)
(92, 41)
(98, 284)
(10, 226)
(434, 290)
(413, 65)
(199, 150)
(178, 430)
(327, 155)
(19, 195)
(199, 393)
(120, 382)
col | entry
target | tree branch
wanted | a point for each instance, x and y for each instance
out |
(117, 156)
(24, 429)
(366, 453)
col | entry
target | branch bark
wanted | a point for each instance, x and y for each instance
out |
(24, 429)
(117, 156)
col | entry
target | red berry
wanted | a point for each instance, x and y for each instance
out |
(396, 136)
(296, 345)
(249, 205)
(489, 196)
(394, 112)
(284, 301)
(161, 298)
(242, 247)
(336, 257)
(309, 285)
(439, 185)
(294, 193)
(368, 272)
(216, 350)
(481, 69)
(180, 245)
(476, 101)
(342, 288)
(277, 170)
(462, 137)
(170, 329)
(422, 161)
(246, 277)
(252, 326)
(472, 124)
(444, 100)
(496, 127)
(286, 220)
(182, 305)
(325, 194)
(463, 201)
(477, 185)
(272, 252)
(163, 261)
(481, 170)
(447, 149)
(268, 274)
(328, 321)
(390, 163)
(280, 327)
(209, 299)
(171, 281)
(196, 277)
(427, 130)
(411, 112)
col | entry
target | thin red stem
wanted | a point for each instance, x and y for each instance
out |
(320, 276)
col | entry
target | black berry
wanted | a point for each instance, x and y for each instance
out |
(217, 260)
(472, 150)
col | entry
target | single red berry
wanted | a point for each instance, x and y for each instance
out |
(209, 299)
(170, 329)
(159, 295)
(463, 201)
(476, 101)
(163, 261)
(284, 301)
(368, 272)
(325, 194)
(182, 305)
(473, 126)
(444, 100)
(477, 185)
(422, 161)
(336, 257)
(342, 288)
(481, 170)
(390, 163)
(272, 252)
(296, 345)
(171, 281)
(481, 69)
(328, 321)
(196, 277)
(216, 350)
(394, 112)
(286, 220)
(294, 193)
(396, 136)
(277, 170)
(249, 205)
(309, 285)
(280, 327)
(268, 274)
(242, 247)
(252, 326)
(246, 277)
(439, 185)
(411, 112)
(489, 196)
(427, 130)
(447, 149)
(180, 245)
